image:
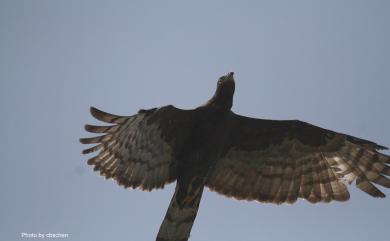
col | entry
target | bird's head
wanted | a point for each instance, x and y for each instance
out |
(223, 97)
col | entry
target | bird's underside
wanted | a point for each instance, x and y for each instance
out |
(253, 159)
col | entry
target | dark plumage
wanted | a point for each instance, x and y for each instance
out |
(245, 158)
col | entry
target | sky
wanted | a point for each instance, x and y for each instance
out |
(324, 62)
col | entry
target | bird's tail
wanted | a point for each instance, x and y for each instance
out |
(180, 215)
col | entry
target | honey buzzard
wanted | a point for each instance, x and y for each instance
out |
(270, 161)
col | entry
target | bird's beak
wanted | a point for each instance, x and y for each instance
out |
(229, 76)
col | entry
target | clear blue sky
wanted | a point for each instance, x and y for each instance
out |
(325, 62)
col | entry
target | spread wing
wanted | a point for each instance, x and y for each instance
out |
(138, 150)
(280, 161)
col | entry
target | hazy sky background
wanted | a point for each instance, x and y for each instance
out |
(325, 62)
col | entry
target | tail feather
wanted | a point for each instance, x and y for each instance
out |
(180, 216)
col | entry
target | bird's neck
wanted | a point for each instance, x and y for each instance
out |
(221, 103)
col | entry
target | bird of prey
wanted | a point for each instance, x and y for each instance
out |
(270, 161)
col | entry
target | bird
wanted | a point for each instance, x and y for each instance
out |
(263, 160)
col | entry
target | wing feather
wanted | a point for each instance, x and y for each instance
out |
(266, 185)
(296, 182)
(107, 117)
(307, 180)
(139, 150)
(279, 161)
(276, 178)
(315, 195)
(326, 191)
(286, 183)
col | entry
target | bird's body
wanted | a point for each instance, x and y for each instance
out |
(196, 158)
(198, 153)
(246, 158)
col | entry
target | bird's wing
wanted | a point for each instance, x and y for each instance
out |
(279, 161)
(139, 150)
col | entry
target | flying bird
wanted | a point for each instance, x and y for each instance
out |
(270, 161)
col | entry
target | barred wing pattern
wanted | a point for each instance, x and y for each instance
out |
(280, 161)
(138, 150)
